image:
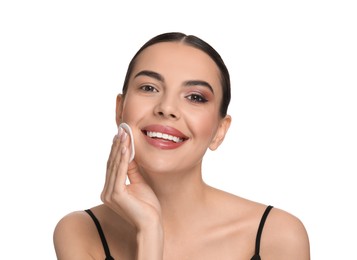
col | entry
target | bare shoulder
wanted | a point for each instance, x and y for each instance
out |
(74, 237)
(284, 237)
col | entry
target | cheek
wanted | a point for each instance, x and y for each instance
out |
(132, 109)
(204, 126)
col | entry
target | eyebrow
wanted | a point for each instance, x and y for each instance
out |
(187, 83)
(150, 74)
(199, 83)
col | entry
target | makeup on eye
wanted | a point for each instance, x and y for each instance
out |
(196, 98)
(195, 95)
(160, 78)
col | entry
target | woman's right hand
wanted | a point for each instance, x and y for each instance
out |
(135, 202)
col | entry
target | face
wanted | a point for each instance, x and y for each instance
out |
(172, 105)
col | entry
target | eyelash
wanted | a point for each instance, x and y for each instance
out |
(148, 88)
(196, 98)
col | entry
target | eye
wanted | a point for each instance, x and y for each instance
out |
(197, 98)
(148, 88)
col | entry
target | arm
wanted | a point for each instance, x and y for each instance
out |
(76, 238)
(135, 202)
(284, 237)
(150, 243)
(73, 238)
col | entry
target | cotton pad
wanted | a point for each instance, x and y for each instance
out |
(127, 129)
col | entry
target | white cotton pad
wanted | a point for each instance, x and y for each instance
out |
(127, 129)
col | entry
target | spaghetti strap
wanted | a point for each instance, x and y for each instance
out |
(101, 234)
(257, 242)
(259, 233)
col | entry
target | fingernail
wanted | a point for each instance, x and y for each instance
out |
(123, 136)
(120, 131)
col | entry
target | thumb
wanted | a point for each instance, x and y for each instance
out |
(134, 174)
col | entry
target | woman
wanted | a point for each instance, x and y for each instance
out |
(175, 98)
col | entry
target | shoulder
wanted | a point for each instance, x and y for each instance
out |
(75, 221)
(284, 237)
(74, 236)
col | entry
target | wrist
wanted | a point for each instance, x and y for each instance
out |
(150, 241)
(153, 230)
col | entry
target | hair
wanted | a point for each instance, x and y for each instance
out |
(195, 42)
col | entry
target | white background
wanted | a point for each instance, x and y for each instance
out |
(292, 143)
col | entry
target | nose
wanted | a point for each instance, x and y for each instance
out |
(168, 108)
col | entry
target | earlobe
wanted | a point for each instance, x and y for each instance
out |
(119, 109)
(221, 132)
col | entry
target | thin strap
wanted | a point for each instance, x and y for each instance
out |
(101, 234)
(259, 234)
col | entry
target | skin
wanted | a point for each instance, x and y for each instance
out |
(167, 211)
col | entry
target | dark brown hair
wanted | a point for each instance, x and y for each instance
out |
(194, 42)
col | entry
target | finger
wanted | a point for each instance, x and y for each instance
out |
(111, 160)
(114, 169)
(122, 167)
(134, 174)
(115, 147)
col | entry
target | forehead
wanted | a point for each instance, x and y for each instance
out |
(180, 61)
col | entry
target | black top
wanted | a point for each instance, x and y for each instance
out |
(256, 255)
(109, 257)
(101, 234)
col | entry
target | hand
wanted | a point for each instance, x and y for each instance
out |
(135, 202)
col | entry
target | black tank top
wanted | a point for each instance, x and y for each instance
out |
(109, 257)
(256, 255)
(101, 234)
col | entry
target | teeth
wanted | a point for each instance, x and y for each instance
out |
(164, 136)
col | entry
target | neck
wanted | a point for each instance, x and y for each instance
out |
(181, 195)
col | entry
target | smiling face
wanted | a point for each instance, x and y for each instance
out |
(172, 105)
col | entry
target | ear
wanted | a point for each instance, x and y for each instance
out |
(119, 109)
(221, 132)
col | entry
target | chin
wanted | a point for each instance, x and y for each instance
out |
(159, 165)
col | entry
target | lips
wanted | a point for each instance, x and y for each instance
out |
(164, 137)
